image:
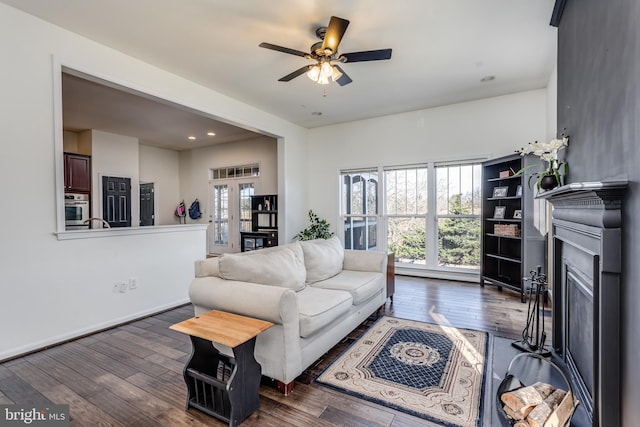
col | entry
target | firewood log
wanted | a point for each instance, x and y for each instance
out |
(539, 415)
(524, 399)
(562, 413)
(514, 415)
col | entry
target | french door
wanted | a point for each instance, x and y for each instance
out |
(229, 214)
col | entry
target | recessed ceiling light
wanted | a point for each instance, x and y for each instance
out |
(191, 138)
(487, 79)
(211, 133)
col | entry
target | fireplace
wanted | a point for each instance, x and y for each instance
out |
(587, 232)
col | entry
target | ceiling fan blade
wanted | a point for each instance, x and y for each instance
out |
(283, 49)
(335, 31)
(295, 74)
(344, 78)
(367, 55)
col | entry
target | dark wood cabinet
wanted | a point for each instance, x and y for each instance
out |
(264, 224)
(511, 246)
(77, 173)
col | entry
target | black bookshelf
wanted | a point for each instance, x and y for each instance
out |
(511, 246)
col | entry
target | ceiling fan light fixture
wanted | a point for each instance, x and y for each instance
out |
(326, 70)
(323, 80)
(314, 73)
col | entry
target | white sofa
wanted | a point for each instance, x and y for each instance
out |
(314, 292)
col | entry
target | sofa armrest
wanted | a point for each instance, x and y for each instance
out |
(357, 260)
(271, 303)
(207, 267)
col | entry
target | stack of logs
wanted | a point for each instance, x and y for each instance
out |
(538, 405)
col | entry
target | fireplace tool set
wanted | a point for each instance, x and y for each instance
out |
(534, 335)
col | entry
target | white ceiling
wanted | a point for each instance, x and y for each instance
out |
(441, 48)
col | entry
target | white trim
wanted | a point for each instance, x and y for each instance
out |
(58, 144)
(445, 274)
(128, 231)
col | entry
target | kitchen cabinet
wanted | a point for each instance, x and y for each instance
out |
(77, 173)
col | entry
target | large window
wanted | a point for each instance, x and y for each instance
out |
(427, 215)
(458, 215)
(359, 208)
(406, 213)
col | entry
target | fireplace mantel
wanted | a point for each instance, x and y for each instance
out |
(586, 270)
(597, 204)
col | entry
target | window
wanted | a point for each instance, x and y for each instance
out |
(359, 208)
(431, 214)
(406, 213)
(458, 215)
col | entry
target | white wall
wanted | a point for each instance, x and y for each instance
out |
(117, 156)
(491, 127)
(196, 164)
(161, 167)
(552, 105)
(54, 289)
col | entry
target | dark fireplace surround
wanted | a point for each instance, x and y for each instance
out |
(587, 232)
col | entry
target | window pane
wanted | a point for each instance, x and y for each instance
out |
(459, 242)
(221, 215)
(246, 191)
(359, 193)
(406, 238)
(458, 199)
(406, 191)
(360, 233)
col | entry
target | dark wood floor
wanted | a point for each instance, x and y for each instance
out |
(132, 375)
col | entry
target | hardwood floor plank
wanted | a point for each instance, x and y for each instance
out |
(17, 389)
(342, 418)
(81, 411)
(179, 417)
(128, 359)
(144, 401)
(150, 344)
(121, 410)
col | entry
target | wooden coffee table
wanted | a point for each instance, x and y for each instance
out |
(223, 387)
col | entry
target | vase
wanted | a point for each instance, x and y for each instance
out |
(548, 182)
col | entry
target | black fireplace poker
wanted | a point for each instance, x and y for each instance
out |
(533, 334)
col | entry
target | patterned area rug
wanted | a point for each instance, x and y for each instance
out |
(431, 371)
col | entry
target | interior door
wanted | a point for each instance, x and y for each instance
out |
(147, 210)
(229, 213)
(116, 201)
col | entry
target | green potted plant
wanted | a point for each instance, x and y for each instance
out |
(555, 171)
(318, 229)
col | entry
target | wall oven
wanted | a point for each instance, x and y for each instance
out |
(76, 211)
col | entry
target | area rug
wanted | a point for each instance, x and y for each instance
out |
(431, 371)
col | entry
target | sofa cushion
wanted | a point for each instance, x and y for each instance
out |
(322, 258)
(278, 266)
(318, 308)
(362, 285)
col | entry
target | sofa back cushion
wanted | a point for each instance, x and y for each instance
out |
(322, 258)
(281, 266)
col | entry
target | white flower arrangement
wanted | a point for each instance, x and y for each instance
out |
(549, 153)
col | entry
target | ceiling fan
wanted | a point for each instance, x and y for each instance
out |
(325, 55)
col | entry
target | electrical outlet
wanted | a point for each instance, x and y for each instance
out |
(133, 283)
(123, 288)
